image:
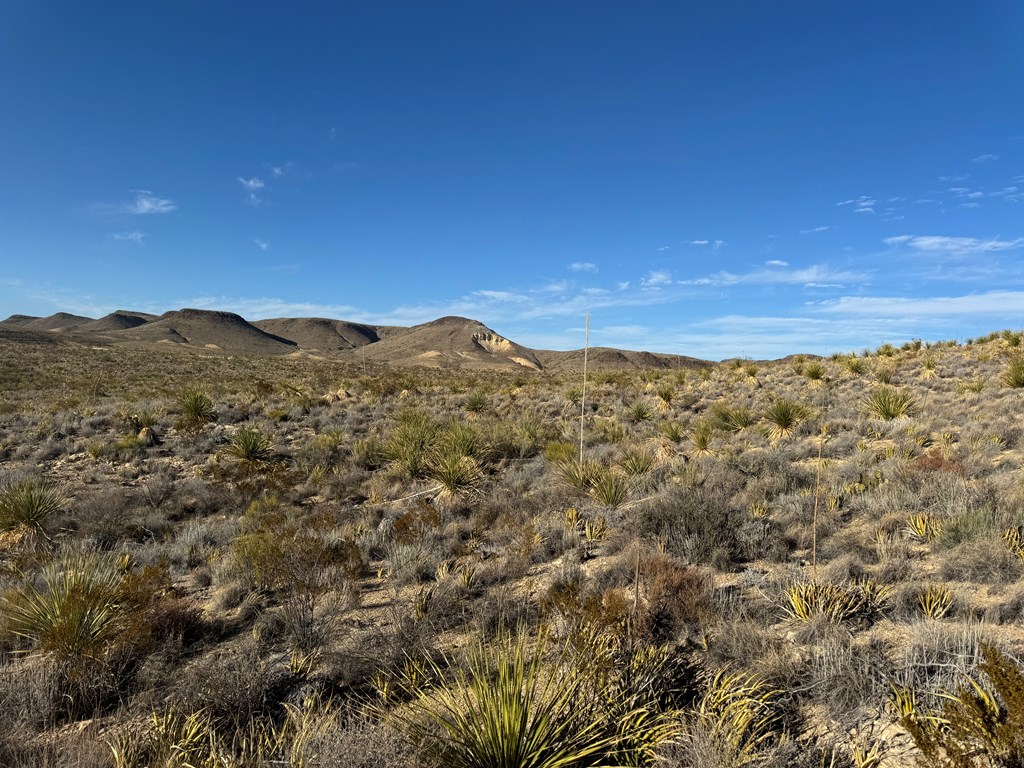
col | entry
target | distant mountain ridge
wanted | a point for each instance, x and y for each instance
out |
(448, 342)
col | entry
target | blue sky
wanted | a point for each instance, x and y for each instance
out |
(719, 179)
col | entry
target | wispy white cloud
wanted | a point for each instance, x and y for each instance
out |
(582, 266)
(862, 204)
(986, 158)
(657, 278)
(953, 246)
(955, 178)
(261, 244)
(776, 263)
(252, 184)
(662, 248)
(815, 229)
(984, 304)
(814, 276)
(146, 202)
(130, 237)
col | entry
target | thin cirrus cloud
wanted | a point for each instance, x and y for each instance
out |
(716, 244)
(146, 203)
(582, 266)
(814, 229)
(817, 276)
(862, 204)
(986, 303)
(261, 244)
(953, 246)
(130, 237)
(985, 158)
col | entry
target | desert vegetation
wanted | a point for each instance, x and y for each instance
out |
(212, 559)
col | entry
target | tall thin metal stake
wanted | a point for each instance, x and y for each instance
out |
(583, 398)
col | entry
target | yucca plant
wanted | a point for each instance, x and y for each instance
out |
(637, 461)
(701, 437)
(731, 418)
(666, 393)
(806, 600)
(639, 411)
(610, 488)
(27, 502)
(410, 444)
(249, 446)
(1013, 376)
(580, 474)
(1014, 538)
(935, 601)
(74, 611)
(739, 716)
(888, 403)
(505, 709)
(672, 432)
(462, 439)
(476, 402)
(855, 365)
(783, 417)
(454, 471)
(195, 408)
(923, 526)
(815, 373)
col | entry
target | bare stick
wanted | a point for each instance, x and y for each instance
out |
(583, 398)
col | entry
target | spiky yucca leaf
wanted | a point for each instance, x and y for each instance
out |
(456, 473)
(28, 502)
(783, 417)
(610, 488)
(888, 403)
(75, 612)
(505, 709)
(250, 446)
(740, 714)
